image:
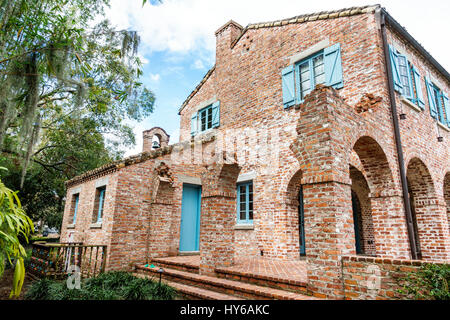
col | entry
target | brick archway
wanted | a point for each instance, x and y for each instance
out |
(430, 214)
(386, 204)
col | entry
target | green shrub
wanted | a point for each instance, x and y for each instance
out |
(430, 282)
(106, 286)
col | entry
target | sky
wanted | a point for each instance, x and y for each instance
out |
(178, 41)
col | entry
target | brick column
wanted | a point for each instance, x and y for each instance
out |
(160, 239)
(218, 216)
(329, 234)
(433, 229)
(389, 224)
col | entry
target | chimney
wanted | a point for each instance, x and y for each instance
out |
(154, 138)
(227, 34)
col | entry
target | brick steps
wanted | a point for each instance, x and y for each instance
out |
(194, 293)
(224, 286)
(182, 266)
(263, 280)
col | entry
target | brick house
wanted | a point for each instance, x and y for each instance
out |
(323, 137)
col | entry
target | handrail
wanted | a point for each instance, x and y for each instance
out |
(58, 259)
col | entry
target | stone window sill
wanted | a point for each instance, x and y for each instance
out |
(443, 126)
(244, 227)
(410, 104)
(71, 226)
(96, 225)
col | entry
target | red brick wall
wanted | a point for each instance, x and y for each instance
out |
(375, 278)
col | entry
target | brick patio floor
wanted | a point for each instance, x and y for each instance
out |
(277, 269)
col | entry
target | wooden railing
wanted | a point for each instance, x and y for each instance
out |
(56, 260)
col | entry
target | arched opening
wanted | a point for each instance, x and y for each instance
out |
(156, 141)
(362, 214)
(424, 208)
(384, 229)
(447, 195)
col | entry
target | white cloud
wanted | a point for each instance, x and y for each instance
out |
(155, 77)
(186, 26)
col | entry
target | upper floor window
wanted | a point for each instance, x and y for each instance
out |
(206, 118)
(406, 78)
(245, 203)
(323, 67)
(75, 200)
(439, 103)
(99, 204)
(310, 73)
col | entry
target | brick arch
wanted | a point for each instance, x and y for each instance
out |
(148, 135)
(291, 184)
(376, 166)
(431, 218)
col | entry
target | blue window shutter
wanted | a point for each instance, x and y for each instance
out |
(288, 86)
(395, 71)
(431, 101)
(447, 108)
(420, 101)
(194, 124)
(216, 114)
(333, 66)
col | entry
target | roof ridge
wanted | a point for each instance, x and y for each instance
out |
(320, 16)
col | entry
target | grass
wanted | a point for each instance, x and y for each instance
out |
(106, 286)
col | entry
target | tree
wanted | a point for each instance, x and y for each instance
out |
(58, 71)
(13, 223)
(67, 88)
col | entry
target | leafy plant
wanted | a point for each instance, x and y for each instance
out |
(430, 282)
(13, 223)
(107, 286)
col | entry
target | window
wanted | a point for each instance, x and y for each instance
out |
(439, 103)
(404, 72)
(245, 203)
(299, 79)
(99, 204)
(75, 200)
(311, 72)
(406, 78)
(206, 118)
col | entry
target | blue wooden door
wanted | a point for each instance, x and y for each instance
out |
(190, 218)
(301, 222)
